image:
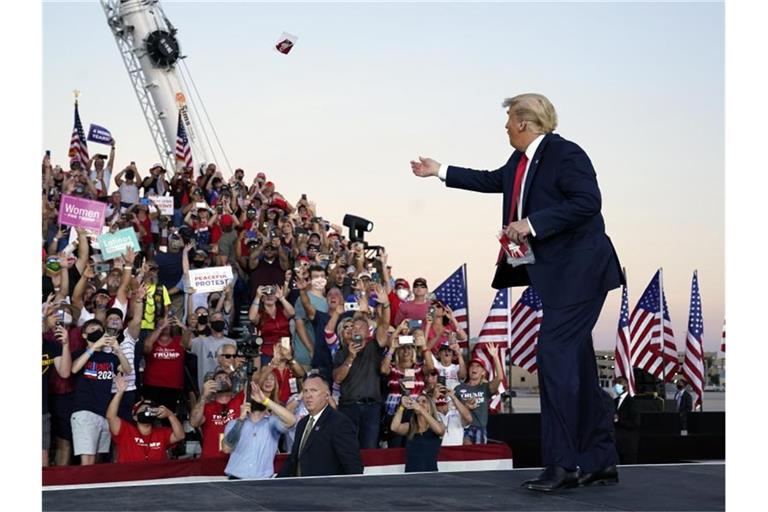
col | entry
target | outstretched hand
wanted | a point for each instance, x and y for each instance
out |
(425, 167)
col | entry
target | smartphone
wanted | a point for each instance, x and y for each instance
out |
(60, 317)
(358, 340)
(441, 380)
(102, 267)
(304, 196)
(250, 234)
(48, 153)
(201, 205)
(405, 340)
(144, 201)
(414, 324)
(285, 342)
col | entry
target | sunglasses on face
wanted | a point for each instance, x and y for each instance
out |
(228, 356)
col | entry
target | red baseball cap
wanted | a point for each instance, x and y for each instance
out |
(402, 283)
(481, 363)
(226, 220)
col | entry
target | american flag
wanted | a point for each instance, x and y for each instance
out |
(623, 354)
(645, 328)
(495, 330)
(693, 364)
(183, 151)
(453, 293)
(78, 147)
(721, 354)
(524, 330)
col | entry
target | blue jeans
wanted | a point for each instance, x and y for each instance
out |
(366, 418)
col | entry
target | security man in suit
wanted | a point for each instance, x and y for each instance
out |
(552, 204)
(626, 422)
(684, 402)
(326, 440)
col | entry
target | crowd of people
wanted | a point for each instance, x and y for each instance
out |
(138, 365)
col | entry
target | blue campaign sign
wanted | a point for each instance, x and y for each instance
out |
(115, 244)
(99, 134)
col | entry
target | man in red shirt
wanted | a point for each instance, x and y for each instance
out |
(417, 308)
(141, 441)
(217, 407)
(396, 297)
(164, 372)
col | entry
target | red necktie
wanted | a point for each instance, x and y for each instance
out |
(519, 172)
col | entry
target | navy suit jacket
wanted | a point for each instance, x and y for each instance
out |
(575, 259)
(331, 449)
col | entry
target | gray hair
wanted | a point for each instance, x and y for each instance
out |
(535, 109)
(219, 350)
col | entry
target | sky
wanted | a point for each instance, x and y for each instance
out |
(369, 87)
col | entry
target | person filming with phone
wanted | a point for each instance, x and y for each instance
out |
(142, 439)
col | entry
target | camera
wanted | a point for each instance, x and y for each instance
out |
(351, 306)
(269, 290)
(250, 347)
(151, 411)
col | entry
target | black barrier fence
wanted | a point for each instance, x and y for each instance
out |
(661, 440)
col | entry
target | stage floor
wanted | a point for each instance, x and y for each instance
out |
(699, 487)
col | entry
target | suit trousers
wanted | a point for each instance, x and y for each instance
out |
(576, 416)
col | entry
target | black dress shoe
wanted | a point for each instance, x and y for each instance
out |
(554, 478)
(535, 479)
(606, 476)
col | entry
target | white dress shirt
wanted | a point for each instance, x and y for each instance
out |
(530, 151)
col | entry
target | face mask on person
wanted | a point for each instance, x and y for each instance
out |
(319, 283)
(217, 325)
(618, 388)
(402, 293)
(202, 319)
(94, 336)
(198, 263)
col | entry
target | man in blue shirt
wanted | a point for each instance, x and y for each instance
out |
(252, 438)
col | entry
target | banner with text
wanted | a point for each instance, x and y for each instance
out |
(82, 213)
(165, 203)
(212, 279)
(99, 134)
(115, 244)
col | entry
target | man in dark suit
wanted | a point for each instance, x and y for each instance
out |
(552, 203)
(626, 422)
(326, 440)
(684, 402)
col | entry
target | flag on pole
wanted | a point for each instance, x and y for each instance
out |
(524, 330)
(453, 293)
(78, 147)
(183, 151)
(623, 355)
(721, 353)
(648, 333)
(495, 330)
(693, 364)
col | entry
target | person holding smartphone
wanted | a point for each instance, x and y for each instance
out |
(94, 368)
(141, 440)
(417, 308)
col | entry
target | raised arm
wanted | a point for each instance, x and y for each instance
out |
(498, 369)
(114, 405)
